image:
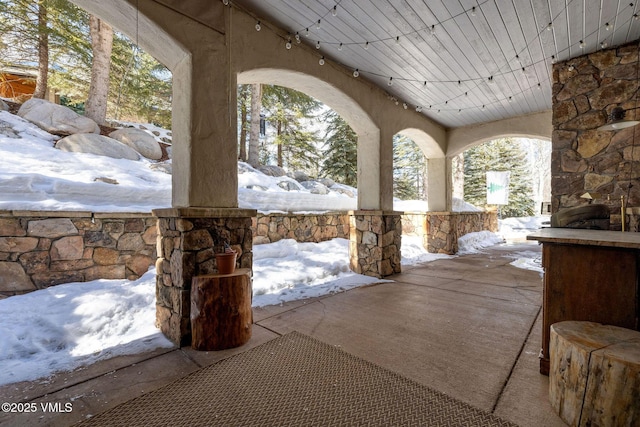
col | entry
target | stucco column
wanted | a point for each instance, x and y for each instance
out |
(438, 184)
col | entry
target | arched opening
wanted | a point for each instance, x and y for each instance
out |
(367, 131)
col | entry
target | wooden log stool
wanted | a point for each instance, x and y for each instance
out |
(594, 377)
(221, 314)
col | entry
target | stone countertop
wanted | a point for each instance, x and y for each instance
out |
(576, 236)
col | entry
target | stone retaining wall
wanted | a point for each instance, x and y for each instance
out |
(443, 229)
(302, 228)
(41, 249)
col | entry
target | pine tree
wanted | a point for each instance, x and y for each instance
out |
(409, 169)
(499, 155)
(341, 142)
(290, 113)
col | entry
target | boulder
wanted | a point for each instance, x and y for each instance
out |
(327, 182)
(56, 118)
(97, 144)
(162, 167)
(289, 186)
(315, 187)
(140, 141)
(271, 170)
(3, 106)
(299, 176)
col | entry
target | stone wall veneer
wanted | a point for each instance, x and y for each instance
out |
(40, 249)
(375, 242)
(585, 91)
(187, 240)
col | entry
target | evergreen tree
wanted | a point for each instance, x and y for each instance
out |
(499, 155)
(340, 157)
(290, 113)
(140, 87)
(409, 169)
(244, 106)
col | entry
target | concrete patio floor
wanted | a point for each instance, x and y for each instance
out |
(468, 326)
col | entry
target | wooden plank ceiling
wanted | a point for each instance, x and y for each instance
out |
(460, 62)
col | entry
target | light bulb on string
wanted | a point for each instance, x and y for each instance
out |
(258, 26)
(607, 26)
(321, 61)
(404, 105)
(288, 43)
(340, 46)
(549, 26)
(510, 99)
(433, 30)
(397, 39)
(473, 11)
(539, 86)
(306, 32)
(318, 44)
(424, 85)
(390, 82)
(318, 25)
(225, 2)
(581, 45)
(635, 16)
(483, 106)
(356, 73)
(466, 94)
(603, 44)
(334, 11)
(460, 111)
(366, 46)
(297, 37)
(553, 59)
(490, 80)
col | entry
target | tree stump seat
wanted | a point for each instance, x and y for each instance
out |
(594, 377)
(221, 314)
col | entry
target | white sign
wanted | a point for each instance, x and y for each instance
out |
(498, 188)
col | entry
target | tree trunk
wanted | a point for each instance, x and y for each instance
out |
(243, 123)
(254, 134)
(43, 52)
(279, 143)
(101, 43)
(221, 314)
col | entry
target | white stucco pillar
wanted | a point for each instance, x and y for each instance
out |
(437, 184)
(375, 171)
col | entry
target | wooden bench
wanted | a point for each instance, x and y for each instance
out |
(594, 377)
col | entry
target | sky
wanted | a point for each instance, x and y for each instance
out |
(71, 325)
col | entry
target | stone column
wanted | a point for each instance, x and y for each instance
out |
(375, 240)
(187, 241)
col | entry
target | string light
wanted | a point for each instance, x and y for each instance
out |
(581, 44)
(635, 16)
(424, 85)
(306, 32)
(334, 11)
(404, 105)
(288, 44)
(258, 26)
(366, 46)
(340, 46)
(603, 44)
(297, 37)
(356, 73)
(321, 61)
(433, 30)
(318, 25)
(318, 44)
(390, 82)
(607, 26)
(397, 39)
(225, 2)
(550, 26)
(473, 11)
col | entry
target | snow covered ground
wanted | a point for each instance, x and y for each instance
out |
(72, 325)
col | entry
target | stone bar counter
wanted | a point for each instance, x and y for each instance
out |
(589, 275)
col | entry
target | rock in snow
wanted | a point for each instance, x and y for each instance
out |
(97, 144)
(56, 118)
(140, 141)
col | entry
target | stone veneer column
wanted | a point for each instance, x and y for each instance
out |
(187, 241)
(375, 239)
